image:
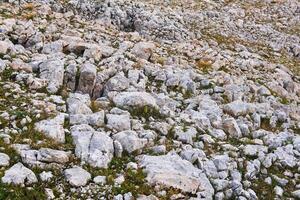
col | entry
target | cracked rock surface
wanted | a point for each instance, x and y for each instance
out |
(149, 100)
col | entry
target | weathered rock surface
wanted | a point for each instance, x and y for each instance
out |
(77, 176)
(52, 128)
(172, 171)
(95, 148)
(18, 174)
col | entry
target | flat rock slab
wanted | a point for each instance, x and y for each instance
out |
(129, 100)
(173, 171)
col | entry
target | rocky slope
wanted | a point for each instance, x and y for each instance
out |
(123, 100)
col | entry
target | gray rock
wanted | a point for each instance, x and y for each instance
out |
(18, 174)
(221, 162)
(143, 50)
(254, 150)
(135, 100)
(296, 194)
(87, 78)
(53, 128)
(101, 180)
(231, 127)
(172, 171)
(79, 104)
(52, 155)
(130, 141)
(238, 108)
(46, 176)
(53, 71)
(95, 148)
(4, 159)
(118, 122)
(77, 176)
(117, 83)
(53, 47)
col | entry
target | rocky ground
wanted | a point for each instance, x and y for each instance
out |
(124, 100)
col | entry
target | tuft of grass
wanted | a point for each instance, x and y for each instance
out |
(204, 65)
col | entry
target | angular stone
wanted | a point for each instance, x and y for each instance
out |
(53, 71)
(231, 127)
(118, 122)
(53, 128)
(87, 78)
(143, 50)
(79, 104)
(130, 140)
(93, 147)
(18, 174)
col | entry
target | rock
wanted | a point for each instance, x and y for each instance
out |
(143, 50)
(278, 191)
(118, 122)
(101, 180)
(53, 71)
(221, 162)
(95, 119)
(52, 128)
(4, 46)
(93, 52)
(254, 150)
(79, 104)
(231, 127)
(18, 174)
(87, 78)
(134, 100)
(51, 155)
(238, 108)
(117, 83)
(53, 47)
(130, 141)
(49, 193)
(95, 148)
(296, 194)
(46, 176)
(186, 136)
(172, 171)
(4, 159)
(77, 176)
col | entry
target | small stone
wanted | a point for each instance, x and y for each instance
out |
(4, 159)
(77, 176)
(101, 180)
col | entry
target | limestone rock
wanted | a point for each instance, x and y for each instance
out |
(18, 174)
